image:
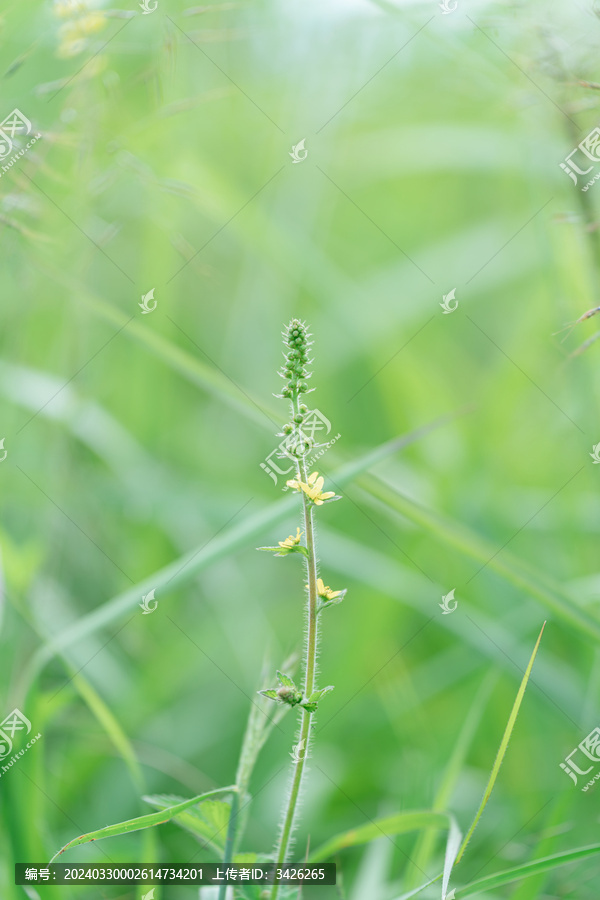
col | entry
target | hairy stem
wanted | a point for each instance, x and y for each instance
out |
(309, 679)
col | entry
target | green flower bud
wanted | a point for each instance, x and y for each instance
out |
(289, 695)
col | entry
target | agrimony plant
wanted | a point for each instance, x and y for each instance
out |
(216, 817)
(306, 697)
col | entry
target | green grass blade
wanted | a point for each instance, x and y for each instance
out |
(537, 867)
(452, 848)
(401, 823)
(230, 840)
(549, 843)
(183, 359)
(503, 745)
(208, 821)
(111, 726)
(454, 534)
(141, 822)
(426, 843)
(184, 569)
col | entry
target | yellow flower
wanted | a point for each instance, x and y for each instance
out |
(291, 541)
(64, 8)
(325, 591)
(313, 488)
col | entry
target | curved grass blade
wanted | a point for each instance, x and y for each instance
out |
(502, 749)
(452, 848)
(537, 867)
(208, 821)
(401, 823)
(143, 821)
(454, 534)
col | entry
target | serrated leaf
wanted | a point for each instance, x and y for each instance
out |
(286, 680)
(272, 695)
(285, 551)
(316, 695)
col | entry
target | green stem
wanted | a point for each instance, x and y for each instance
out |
(230, 839)
(309, 681)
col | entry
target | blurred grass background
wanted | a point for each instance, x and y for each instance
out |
(433, 149)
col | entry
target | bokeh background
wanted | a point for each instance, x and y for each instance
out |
(134, 442)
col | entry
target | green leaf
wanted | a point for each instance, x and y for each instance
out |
(401, 823)
(452, 848)
(261, 721)
(538, 866)
(285, 551)
(272, 695)
(316, 695)
(208, 821)
(503, 745)
(141, 822)
(286, 680)
(323, 602)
